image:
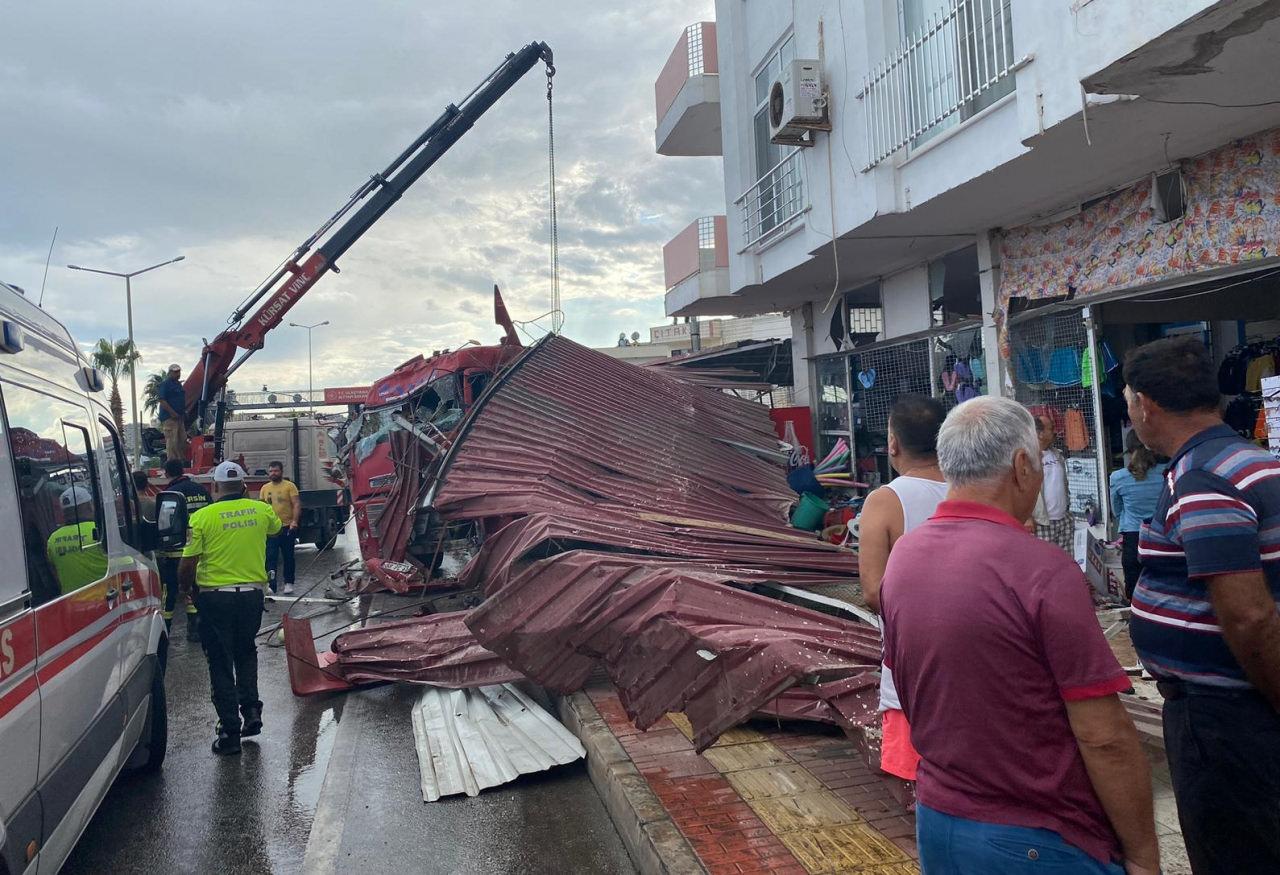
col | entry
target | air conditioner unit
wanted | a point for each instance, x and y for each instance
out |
(797, 104)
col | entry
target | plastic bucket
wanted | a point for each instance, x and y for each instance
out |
(809, 512)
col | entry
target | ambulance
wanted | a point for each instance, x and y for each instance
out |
(82, 641)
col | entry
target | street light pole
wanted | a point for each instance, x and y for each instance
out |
(133, 381)
(311, 386)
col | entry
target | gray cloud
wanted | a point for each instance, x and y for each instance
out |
(227, 132)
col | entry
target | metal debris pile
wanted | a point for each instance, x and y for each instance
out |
(625, 514)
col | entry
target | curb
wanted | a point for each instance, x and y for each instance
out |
(656, 846)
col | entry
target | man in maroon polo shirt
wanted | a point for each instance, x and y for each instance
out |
(1027, 754)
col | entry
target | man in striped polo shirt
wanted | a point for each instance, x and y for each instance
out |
(1205, 612)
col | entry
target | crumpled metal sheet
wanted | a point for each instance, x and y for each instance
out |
(436, 649)
(621, 505)
(469, 740)
(673, 639)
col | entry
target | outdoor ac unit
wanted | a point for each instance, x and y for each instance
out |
(797, 104)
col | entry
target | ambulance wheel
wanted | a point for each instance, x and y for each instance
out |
(154, 743)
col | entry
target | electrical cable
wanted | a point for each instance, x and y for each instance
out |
(1210, 103)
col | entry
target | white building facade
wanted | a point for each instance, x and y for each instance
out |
(1007, 186)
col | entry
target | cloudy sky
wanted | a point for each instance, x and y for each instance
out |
(228, 132)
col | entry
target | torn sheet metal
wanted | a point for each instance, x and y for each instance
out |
(438, 649)
(674, 640)
(469, 740)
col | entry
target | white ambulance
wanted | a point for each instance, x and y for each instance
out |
(82, 642)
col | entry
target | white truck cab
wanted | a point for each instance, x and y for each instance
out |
(82, 642)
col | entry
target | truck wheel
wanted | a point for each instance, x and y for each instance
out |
(154, 743)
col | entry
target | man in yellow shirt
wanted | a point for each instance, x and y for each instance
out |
(225, 562)
(282, 495)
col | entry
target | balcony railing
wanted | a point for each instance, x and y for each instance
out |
(703, 245)
(694, 55)
(777, 198)
(959, 63)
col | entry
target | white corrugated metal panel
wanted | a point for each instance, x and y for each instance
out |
(468, 740)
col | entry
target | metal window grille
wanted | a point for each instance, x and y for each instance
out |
(707, 232)
(1047, 371)
(866, 320)
(950, 66)
(774, 200)
(947, 352)
(879, 376)
(694, 35)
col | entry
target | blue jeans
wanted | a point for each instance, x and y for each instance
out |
(955, 846)
(280, 550)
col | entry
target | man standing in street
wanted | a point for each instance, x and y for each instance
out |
(172, 400)
(1205, 618)
(1052, 513)
(1028, 758)
(226, 561)
(282, 495)
(894, 509)
(169, 560)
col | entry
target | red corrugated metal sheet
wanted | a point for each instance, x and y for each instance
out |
(622, 504)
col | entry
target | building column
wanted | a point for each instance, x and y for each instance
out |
(998, 380)
(802, 353)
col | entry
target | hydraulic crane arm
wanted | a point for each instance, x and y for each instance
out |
(226, 352)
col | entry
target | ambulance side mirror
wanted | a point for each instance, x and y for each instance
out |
(171, 520)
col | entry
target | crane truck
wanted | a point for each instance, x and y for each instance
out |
(324, 504)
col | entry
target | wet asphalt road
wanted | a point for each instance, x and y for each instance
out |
(256, 813)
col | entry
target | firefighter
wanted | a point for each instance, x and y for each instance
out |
(168, 560)
(225, 560)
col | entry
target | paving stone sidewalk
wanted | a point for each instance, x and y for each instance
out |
(789, 797)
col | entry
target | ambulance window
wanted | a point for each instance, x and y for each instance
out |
(13, 582)
(122, 492)
(57, 492)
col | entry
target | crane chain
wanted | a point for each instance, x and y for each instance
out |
(557, 317)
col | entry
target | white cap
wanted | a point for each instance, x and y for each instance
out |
(175, 367)
(228, 472)
(75, 496)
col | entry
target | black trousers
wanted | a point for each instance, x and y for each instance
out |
(1129, 562)
(1224, 758)
(228, 623)
(168, 568)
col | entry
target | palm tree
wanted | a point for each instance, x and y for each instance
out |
(117, 358)
(151, 392)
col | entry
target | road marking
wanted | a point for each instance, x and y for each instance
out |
(325, 839)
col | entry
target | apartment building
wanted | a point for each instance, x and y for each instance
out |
(1004, 196)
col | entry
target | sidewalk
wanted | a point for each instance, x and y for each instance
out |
(767, 798)
(791, 798)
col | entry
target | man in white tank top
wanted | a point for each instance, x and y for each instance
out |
(889, 513)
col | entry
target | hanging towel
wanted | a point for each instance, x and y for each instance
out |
(1086, 368)
(978, 367)
(1031, 365)
(1260, 427)
(867, 378)
(966, 392)
(1077, 430)
(1064, 367)
(950, 379)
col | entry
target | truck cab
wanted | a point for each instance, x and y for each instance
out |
(82, 642)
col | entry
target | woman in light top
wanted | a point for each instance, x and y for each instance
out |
(1134, 490)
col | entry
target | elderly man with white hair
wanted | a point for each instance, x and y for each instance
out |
(1028, 759)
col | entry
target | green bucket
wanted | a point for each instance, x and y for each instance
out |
(809, 512)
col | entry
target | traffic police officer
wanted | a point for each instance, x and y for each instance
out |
(225, 560)
(168, 560)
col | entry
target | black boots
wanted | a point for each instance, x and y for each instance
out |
(226, 742)
(252, 720)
